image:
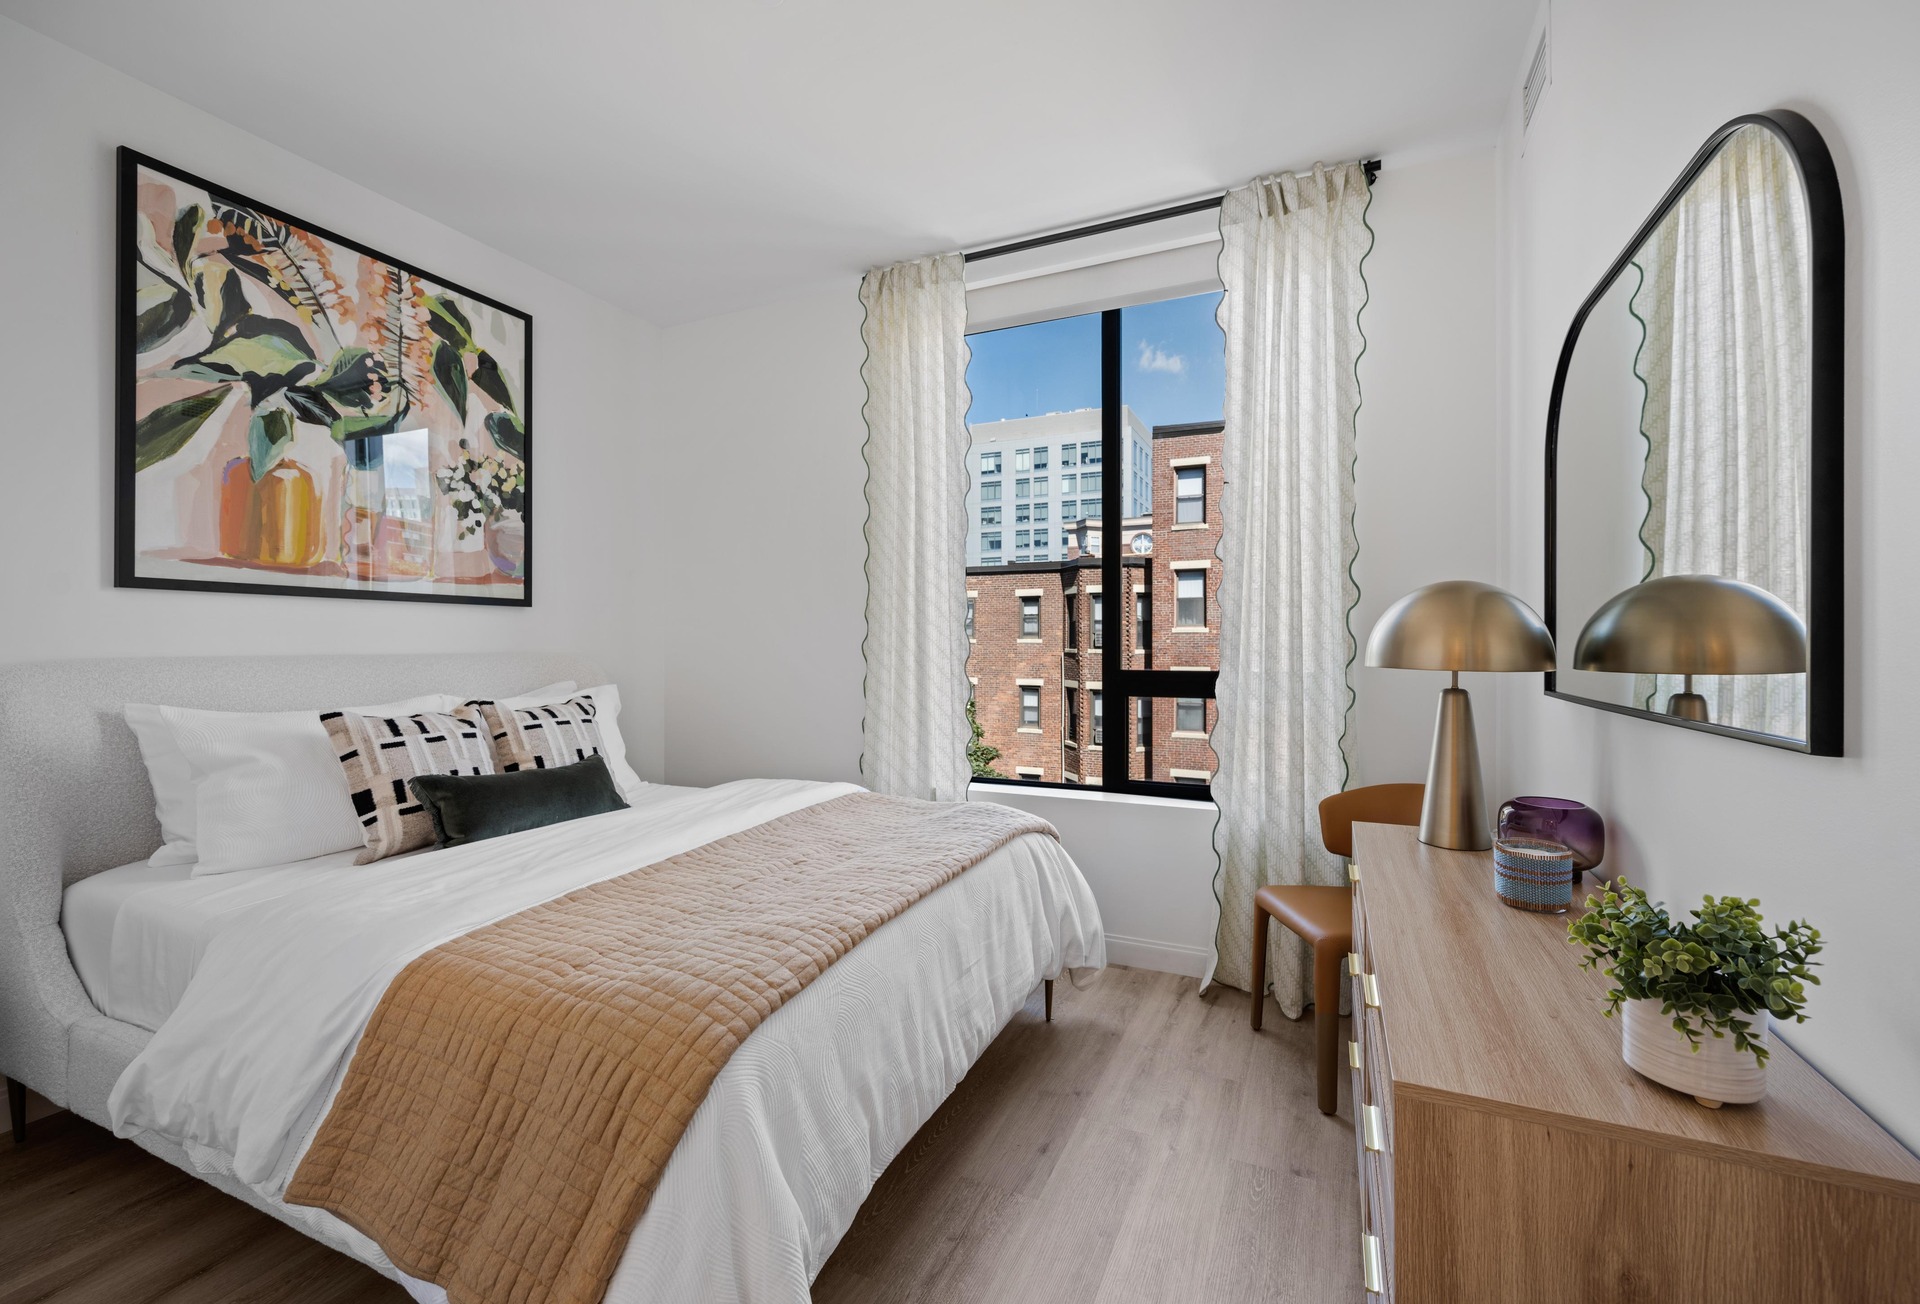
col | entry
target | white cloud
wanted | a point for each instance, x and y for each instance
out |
(1152, 359)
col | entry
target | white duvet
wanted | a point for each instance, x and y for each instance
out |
(795, 1129)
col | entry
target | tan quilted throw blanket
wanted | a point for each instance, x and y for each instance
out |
(518, 1090)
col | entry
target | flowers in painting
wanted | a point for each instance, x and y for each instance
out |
(482, 488)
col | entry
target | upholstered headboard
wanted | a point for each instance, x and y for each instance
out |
(74, 798)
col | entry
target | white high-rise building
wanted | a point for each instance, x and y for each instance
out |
(1033, 477)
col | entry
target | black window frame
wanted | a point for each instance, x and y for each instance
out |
(1120, 682)
(1029, 615)
(1199, 500)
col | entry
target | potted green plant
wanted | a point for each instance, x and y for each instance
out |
(1697, 995)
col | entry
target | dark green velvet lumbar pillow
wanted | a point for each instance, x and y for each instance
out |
(474, 807)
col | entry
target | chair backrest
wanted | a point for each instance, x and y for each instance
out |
(1382, 803)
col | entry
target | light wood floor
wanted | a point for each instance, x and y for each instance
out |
(1145, 1146)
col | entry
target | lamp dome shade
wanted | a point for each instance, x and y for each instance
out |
(1693, 625)
(1460, 625)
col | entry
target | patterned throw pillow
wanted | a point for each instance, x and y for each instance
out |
(542, 737)
(380, 753)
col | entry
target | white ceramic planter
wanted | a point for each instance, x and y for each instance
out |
(1714, 1075)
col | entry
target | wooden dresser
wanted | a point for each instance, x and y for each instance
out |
(1507, 1154)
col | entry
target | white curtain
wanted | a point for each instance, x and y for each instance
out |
(914, 732)
(1726, 367)
(1291, 249)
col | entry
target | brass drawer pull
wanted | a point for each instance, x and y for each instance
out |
(1353, 963)
(1353, 1054)
(1370, 989)
(1372, 1270)
(1373, 1128)
(1353, 872)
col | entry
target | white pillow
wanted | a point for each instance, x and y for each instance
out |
(606, 701)
(172, 780)
(268, 789)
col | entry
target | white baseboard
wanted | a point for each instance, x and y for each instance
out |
(1162, 957)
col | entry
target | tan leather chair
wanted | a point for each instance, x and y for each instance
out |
(1323, 916)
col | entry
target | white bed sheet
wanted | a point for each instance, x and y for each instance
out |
(793, 1133)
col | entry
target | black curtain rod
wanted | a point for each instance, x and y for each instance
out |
(1370, 166)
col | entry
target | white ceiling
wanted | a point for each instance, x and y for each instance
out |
(688, 159)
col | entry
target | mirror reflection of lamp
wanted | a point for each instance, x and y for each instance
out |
(1691, 625)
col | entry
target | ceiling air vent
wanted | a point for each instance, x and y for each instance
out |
(1538, 75)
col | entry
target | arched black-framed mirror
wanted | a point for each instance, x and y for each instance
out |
(1694, 436)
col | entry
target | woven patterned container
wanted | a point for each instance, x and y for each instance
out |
(1533, 874)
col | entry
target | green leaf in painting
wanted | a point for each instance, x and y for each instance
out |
(309, 404)
(186, 229)
(268, 435)
(491, 381)
(165, 430)
(450, 374)
(163, 310)
(365, 426)
(347, 379)
(262, 346)
(508, 433)
(233, 306)
(446, 320)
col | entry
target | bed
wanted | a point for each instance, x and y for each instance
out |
(169, 974)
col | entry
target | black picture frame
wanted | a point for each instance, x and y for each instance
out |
(1826, 633)
(128, 163)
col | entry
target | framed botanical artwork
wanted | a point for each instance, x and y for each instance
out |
(298, 413)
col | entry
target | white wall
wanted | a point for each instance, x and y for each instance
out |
(1637, 85)
(61, 115)
(762, 435)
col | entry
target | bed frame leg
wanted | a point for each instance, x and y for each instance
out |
(1048, 983)
(17, 1108)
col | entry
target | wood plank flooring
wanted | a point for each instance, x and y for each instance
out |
(1145, 1146)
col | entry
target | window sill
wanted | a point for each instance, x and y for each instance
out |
(1191, 629)
(992, 791)
(1190, 525)
(1029, 728)
(1190, 733)
(1030, 640)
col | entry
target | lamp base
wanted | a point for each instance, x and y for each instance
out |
(1454, 812)
(1688, 706)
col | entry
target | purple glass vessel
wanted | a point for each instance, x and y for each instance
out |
(1577, 827)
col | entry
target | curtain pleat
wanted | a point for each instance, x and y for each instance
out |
(1291, 250)
(914, 732)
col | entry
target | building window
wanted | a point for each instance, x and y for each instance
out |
(1190, 495)
(1023, 459)
(1039, 509)
(1142, 721)
(1190, 598)
(1143, 622)
(1029, 706)
(1073, 620)
(989, 464)
(1090, 509)
(1099, 717)
(1030, 618)
(1073, 717)
(990, 491)
(1067, 454)
(1040, 464)
(1069, 484)
(1022, 513)
(1022, 488)
(969, 626)
(1089, 455)
(1190, 715)
(1039, 486)
(989, 516)
(1099, 621)
(1089, 482)
(990, 543)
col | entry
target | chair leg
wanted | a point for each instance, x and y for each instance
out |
(1047, 983)
(17, 1109)
(1260, 921)
(1326, 1023)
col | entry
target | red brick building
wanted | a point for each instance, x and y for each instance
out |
(1039, 630)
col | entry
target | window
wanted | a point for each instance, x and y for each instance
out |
(969, 622)
(1190, 598)
(1090, 508)
(1089, 482)
(1190, 715)
(1040, 464)
(1023, 459)
(1030, 619)
(990, 543)
(1089, 455)
(1030, 706)
(1022, 488)
(1073, 620)
(1039, 509)
(990, 491)
(1143, 622)
(1142, 721)
(1189, 495)
(1067, 454)
(1099, 622)
(1073, 716)
(1022, 514)
(989, 464)
(1022, 538)
(1099, 716)
(989, 516)
(1039, 486)
(1069, 484)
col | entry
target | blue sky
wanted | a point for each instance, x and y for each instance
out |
(1175, 361)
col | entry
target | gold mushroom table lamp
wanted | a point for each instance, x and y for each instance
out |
(1458, 625)
(1693, 625)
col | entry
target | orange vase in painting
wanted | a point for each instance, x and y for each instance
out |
(273, 521)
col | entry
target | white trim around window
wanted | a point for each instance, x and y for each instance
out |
(1202, 563)
(1178, 462)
